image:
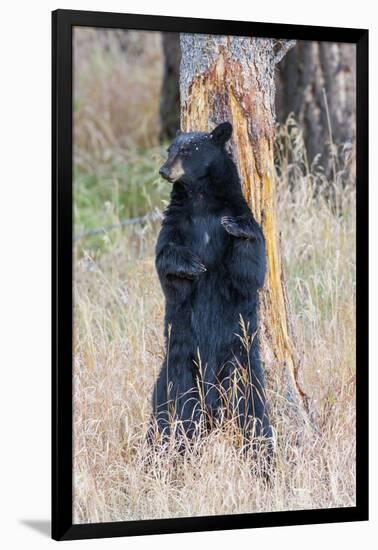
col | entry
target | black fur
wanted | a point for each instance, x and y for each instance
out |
(210, 258)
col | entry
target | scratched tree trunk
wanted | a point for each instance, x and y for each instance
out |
(232, 79)
(317, 82)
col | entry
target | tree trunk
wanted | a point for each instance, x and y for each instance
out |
(316, 82)
(170, 91)
(232, 79)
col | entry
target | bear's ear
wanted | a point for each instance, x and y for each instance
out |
(222, 133)
(178, 133)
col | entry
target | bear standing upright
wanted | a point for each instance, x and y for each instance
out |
(210, 258)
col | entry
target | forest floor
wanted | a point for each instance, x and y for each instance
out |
(119, 347)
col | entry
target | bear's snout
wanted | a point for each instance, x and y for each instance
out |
(164, 172)
(172, 171)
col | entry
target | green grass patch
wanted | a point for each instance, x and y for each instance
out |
(127, 185)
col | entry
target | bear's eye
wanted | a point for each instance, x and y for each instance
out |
(185, 151)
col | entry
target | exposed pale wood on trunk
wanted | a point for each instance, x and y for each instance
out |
(232, 78)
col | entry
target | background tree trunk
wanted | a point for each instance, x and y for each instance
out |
(170, 91)
(312, 77)
(232, 79)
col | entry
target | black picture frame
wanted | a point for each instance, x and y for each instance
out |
(62, 524)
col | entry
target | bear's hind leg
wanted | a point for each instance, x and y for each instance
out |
(175, 404)
(242, 397)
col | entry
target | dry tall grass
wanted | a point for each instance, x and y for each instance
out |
(119, 348)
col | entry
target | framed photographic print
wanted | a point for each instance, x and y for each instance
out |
(210, 253)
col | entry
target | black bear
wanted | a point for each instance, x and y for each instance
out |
(210, 258)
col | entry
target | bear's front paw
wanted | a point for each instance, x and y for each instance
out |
(238, 227)
(190, 266)
(229, 224)
(194, 267)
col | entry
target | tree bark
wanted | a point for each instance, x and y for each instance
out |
(232, 79)
(170, 91)
(317, 82)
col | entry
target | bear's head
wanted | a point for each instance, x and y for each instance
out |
(192, 155)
